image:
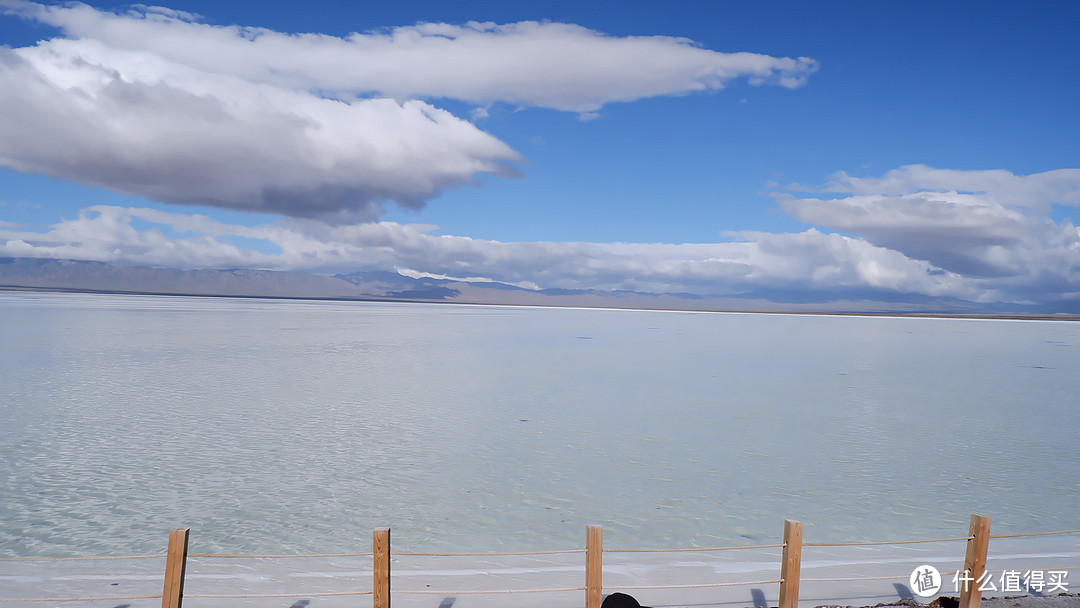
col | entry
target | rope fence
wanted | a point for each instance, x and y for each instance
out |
(486, 591)
(265, 595)
(974, 565)
(1037, 534)
(1014, 569)
(848, 579)
(81, 599)
(889, 542)
(701, 585)
(277, 556)
(488, 554)
(77, 559)
(706, 549)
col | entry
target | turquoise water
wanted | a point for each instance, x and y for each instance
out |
(295, 426)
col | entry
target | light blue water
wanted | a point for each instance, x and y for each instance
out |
(290, 426)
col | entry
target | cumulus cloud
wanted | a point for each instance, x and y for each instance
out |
(552, 65)
(1039, 190)
(140, 124)
(948, 229)
(808, 260)
(928, 243)
(154, 103)
(991, 225)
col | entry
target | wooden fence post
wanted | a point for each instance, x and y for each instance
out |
(791, 562)
(594, 566)
(974, 561)
(381, 559)
(175, 566)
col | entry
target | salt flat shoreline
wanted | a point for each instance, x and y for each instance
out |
(422, 581)
(881, 314)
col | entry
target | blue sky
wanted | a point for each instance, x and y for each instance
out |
(909, 149)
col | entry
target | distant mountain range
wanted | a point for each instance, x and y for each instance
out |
(73, 275)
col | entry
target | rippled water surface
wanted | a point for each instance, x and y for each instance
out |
(291, 426)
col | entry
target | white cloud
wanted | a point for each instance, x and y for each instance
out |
(140, 124)
(553, 65)
(1039, 190)
(948, 229)
(934, 244)
(808, 260)
(152, 102)
(991, 225)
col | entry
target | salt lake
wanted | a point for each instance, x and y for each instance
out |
(274, 426)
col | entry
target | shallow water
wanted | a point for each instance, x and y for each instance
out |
(294, 426)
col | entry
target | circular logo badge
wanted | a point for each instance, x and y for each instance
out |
(925, 581)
